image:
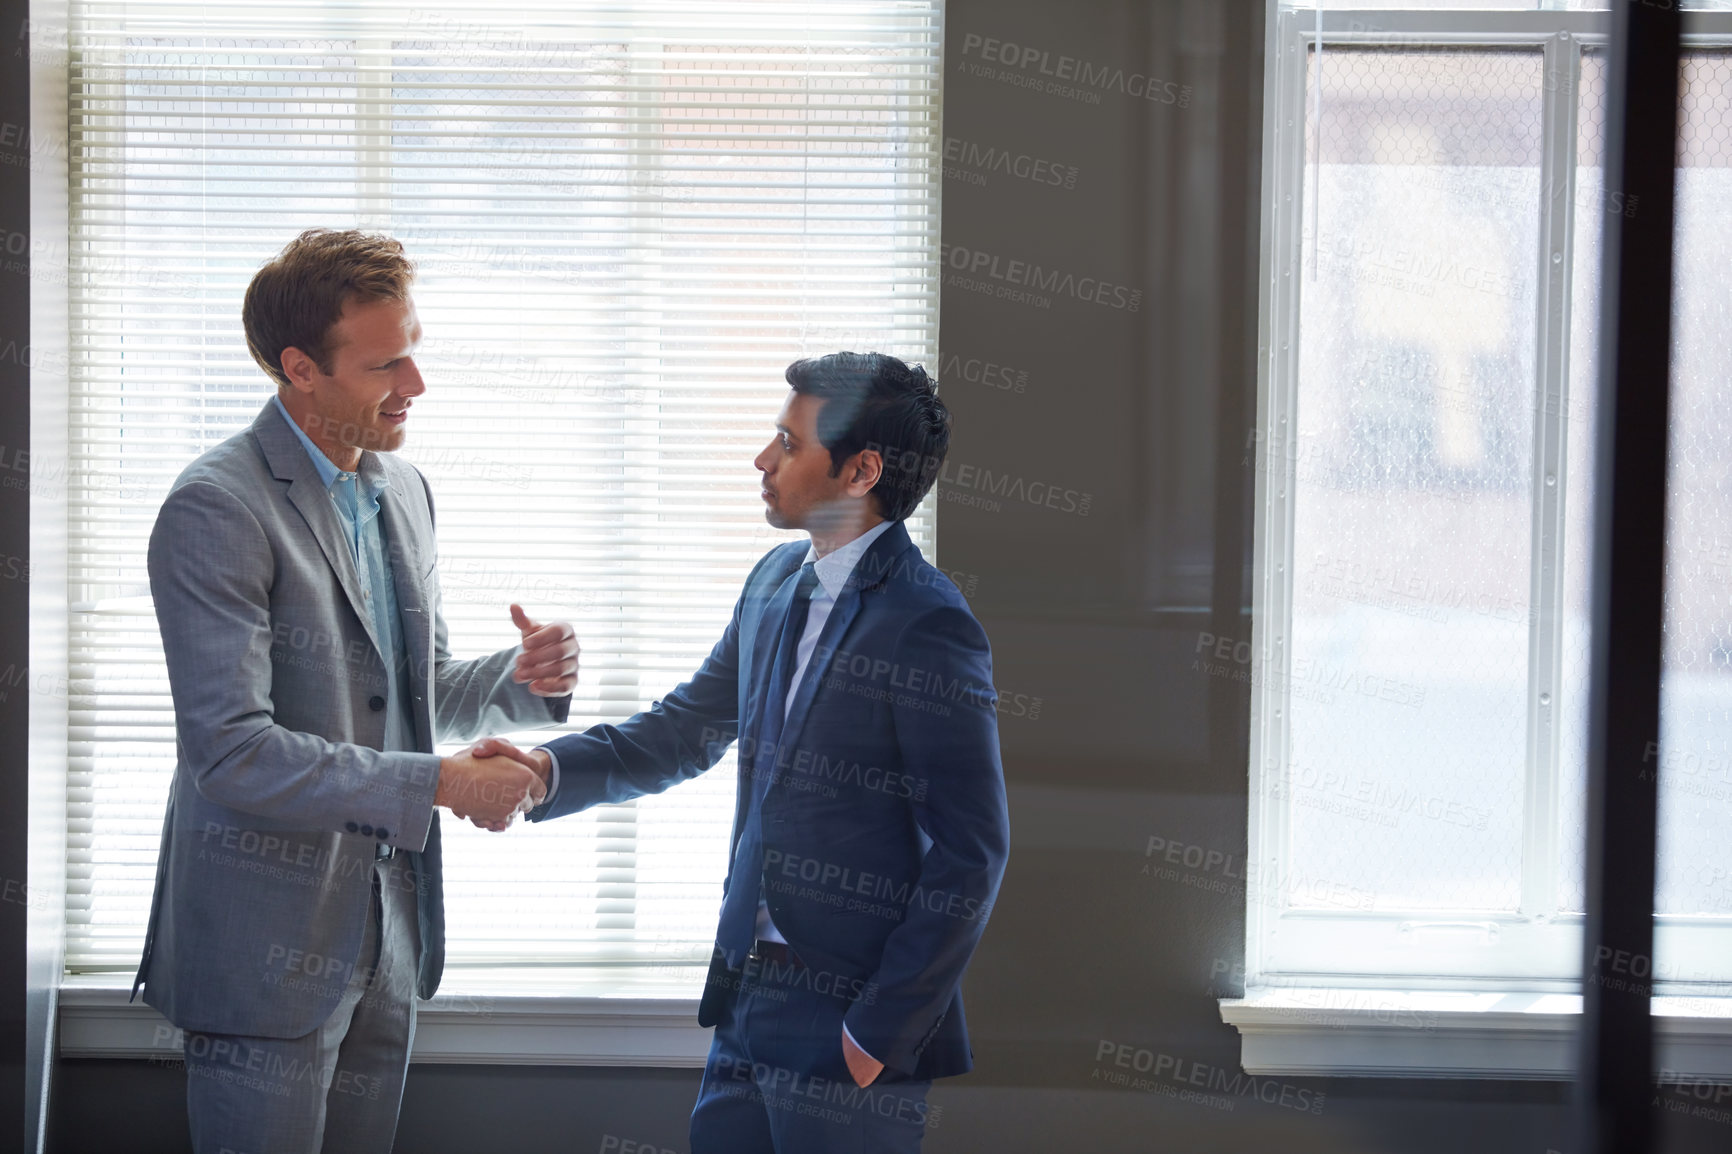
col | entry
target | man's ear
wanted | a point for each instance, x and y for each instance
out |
(865, 469)
(299, 368)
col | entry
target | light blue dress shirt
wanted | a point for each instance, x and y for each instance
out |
(356, 498)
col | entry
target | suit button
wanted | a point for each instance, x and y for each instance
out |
(375, 703)
(352, 827)
(380, 833)
(367, 830)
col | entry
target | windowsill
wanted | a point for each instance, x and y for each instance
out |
(1409, 1034)
(544, 1021)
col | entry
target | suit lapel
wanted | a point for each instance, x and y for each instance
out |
(756, 636)
(407, 557)
(867, 579)
(289, 462)
(763, 664)
(842, 615)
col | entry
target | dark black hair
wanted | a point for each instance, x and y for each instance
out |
(876, 402)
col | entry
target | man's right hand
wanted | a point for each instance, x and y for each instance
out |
(538, 761)
(488, 790)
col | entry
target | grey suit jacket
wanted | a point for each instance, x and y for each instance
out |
(280, 792)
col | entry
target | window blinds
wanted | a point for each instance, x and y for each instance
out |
(628, 219)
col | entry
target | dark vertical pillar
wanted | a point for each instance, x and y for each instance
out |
(1628, 581)
(1240, 89)
(14, 595)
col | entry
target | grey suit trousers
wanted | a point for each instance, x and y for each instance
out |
(338, 1089)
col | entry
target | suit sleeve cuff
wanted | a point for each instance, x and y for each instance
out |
(552, 776)
(558, 708)
(849, 1034)
(416, 784)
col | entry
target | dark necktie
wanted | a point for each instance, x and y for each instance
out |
(740, 907)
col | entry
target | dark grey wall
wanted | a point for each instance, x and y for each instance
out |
(19, 1010)
(1141, 417)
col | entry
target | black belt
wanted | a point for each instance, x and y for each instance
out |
(777, 952)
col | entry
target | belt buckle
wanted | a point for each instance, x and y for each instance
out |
(780, 953)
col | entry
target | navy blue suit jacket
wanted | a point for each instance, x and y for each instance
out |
(883, 809)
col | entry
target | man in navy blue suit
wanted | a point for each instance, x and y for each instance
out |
(870, 832)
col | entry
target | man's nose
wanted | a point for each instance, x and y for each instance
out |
(410, 383)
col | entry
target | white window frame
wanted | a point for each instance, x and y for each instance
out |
(1307, 1012)
(502, 1015)
(480, 1016)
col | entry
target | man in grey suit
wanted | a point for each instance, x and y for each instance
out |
(298, 912)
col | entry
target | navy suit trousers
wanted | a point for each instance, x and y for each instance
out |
(776, 1081)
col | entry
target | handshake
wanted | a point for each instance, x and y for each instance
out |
(493, 781)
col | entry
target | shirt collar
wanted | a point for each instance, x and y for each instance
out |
(833, 569)
(372, 479)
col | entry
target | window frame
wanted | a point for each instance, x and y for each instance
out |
(1352, 1025)
(643, 1015)
(479, 1017)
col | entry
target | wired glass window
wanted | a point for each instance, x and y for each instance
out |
(628, 219)
(1424, 518)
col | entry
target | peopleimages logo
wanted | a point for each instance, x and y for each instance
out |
(979, 371)
(1104, 77)
(1024, 275)
(966, 154)
(1014, 488)
(1009, 486)
(1222, 1086)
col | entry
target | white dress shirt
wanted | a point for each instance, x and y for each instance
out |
(832, 572)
